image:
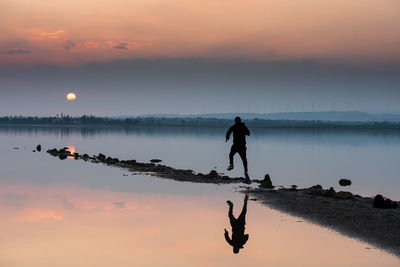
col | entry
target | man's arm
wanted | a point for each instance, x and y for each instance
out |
(228, 133)
(227, 238)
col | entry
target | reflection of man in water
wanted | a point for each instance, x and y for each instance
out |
(239, 143)
(238, 237)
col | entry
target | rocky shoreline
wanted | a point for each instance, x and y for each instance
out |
(154, 168)
(374, 220)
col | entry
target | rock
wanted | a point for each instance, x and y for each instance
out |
(316, 191)
(343, 195)
(85, 157)
(53, 152)
(330, 192)
(381, 203)
(344, 182)
(39, 148)
(33, 150)
(110, 160)
(267, 183)
(318, 186)
(76, 156)
(293, 187)
(213, 174)
(62, 156)
(15, 147)
(390, 204)
(101, 157)
(155, 160)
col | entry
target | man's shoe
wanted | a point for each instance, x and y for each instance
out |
(246, 174)
(230, 167)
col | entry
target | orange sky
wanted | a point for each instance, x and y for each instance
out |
(76, 31)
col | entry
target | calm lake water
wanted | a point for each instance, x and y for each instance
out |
(75, 213)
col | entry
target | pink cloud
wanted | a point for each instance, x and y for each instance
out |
(37, 35)
(33, 215)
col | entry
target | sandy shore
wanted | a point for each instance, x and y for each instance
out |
(343, 212)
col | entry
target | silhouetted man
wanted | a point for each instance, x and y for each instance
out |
(239, 143)
(238, 237)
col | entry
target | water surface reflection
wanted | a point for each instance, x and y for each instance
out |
(239, 238)
(72, 225)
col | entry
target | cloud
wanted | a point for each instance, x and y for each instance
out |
(16, 51)
(69, 44)
(119, 204)
(34, 214)
(121, 45)
(124, 45)
(90, 44)
(39, 35)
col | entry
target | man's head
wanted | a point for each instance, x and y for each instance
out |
(238, 120)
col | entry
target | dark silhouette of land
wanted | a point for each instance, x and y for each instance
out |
(239, 131)
(88, 120)
(239, 238)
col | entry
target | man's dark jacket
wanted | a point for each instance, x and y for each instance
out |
(239, 133)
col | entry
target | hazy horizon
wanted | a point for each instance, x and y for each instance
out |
(195, 86)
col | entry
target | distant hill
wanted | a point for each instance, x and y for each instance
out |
(85, 121)
(343, 116)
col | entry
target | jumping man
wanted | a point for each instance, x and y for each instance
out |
(239, 143)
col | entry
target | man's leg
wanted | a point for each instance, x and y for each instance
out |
(242, 153)
(231, 154)
(230, 213)
(242, 216)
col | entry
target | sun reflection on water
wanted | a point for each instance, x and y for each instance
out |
(72, 150)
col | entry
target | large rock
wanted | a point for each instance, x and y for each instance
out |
(39, 148)
(267, 183)
(381, 203)
(344, 182)
(213, 174)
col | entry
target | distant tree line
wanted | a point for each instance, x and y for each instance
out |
(89, 120)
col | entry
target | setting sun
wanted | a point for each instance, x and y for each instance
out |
(71, 96)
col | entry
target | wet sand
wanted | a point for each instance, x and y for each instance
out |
(349, 214)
